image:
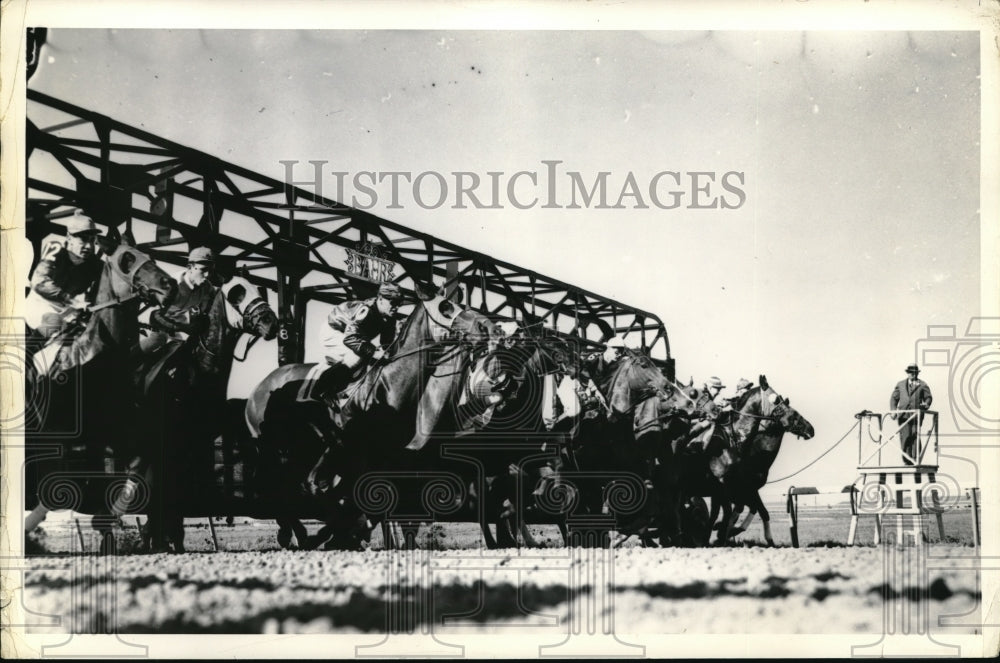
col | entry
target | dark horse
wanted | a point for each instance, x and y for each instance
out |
(735, 463)
(636, 435)
(390, 414)
(83, 402)
(514, 446)
(183, 410)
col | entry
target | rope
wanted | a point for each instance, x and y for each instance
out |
(849, 431)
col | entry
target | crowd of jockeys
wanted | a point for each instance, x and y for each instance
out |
(64, 282)
(579, 393)
(357, 332)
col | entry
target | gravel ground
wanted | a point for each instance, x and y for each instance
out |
(453, 585)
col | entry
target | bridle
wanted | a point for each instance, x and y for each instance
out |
(138, 290)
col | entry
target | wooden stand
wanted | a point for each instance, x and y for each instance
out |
(900, 494)
(894, 482)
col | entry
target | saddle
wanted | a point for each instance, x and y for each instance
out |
(330, 383)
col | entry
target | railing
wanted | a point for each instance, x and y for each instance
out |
(953, 503)
(875, 443)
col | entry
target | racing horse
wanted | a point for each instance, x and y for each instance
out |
(636, 435)
(310, 457)
(81, 392)
(183, 389)
(511, 446)
(736, 461)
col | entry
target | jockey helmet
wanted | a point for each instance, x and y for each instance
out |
(716, 382)
(391, 292)
(743, 384)
(201, 254)
(80, 224)
(616, 342)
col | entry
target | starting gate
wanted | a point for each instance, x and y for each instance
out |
(169, 198)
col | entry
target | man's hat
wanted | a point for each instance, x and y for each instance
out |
(391, 292)
(616, 342)
(912, 368)
(744, 384)
(80, 224)
(201, 254)
(715, 382)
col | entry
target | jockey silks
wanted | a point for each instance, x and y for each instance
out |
(189, 310)
(57, 281)
(353, 325)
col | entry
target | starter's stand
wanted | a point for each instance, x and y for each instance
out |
(894, 483)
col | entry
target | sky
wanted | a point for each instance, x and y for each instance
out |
(859, 154)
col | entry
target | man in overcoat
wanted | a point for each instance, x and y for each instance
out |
(910, 394)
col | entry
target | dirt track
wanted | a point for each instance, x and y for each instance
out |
(705, 590)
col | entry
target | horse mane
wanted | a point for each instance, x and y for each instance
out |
(744, 398)
(417, 317)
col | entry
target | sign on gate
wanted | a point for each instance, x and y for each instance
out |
(368, 262)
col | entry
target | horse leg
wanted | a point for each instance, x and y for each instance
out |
(286, 532)
(670, 498)
(505, 511)
(484, 527)
(35, 518)
(388, 538)
(757, 506)
(713, 516)
(409, 531)
(175, 532)
(529, 539)
(742, 527)
(727, 516)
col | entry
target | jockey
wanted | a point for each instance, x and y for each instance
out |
(596, 371)
(734, 401)
(708, 407)
(600, 366)
(353, 325)
(63, 280)
(188, 314)
(572, 398)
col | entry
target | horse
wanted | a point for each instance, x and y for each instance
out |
(637, 434)
(83, 402)
(512, 446)
(735, 463)
(390, 412)
(184, 387)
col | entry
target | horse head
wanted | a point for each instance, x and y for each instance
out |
(247, 309)
(635, 379)
(767, 404)
(135, 273)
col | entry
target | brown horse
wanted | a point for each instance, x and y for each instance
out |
(514, 446)
(83, 402)
(184, 387)
(391, 413)
(735, 464)
(632, 442)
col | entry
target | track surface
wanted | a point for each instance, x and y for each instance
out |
(254, 588)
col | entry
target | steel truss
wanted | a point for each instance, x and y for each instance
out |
(300, 245)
